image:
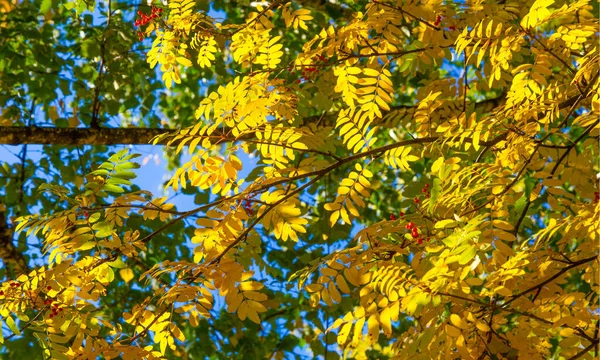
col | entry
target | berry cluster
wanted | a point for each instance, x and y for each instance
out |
(12, 285)
(310, 71)
(55, 308)
(393, 217)
(248, 207)
(425, 191)
(414, 232)
(145, 19)
(438, 21)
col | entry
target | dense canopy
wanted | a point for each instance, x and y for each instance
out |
(405, 179)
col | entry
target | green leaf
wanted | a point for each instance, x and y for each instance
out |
(104, 229)
(125, 174)
(467, 255)
(12, 326)
(131, 156)
(127, 166)
(447, 223)
(436, 188)
(112, 188)
(102, 172)
(118, 264)
(45, 6)
(118, 181)
(87, 246)
(58, 355)
(520, 204)
(94, 217)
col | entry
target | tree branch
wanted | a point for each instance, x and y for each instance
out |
(13, 259)
(550, 279)
(18, 135)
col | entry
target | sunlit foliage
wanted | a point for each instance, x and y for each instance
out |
(421, 185)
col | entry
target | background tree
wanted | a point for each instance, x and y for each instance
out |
(372, 179)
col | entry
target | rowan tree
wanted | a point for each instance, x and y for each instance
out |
(372, 179)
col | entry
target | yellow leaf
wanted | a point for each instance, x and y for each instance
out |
(343, 334)
(458, 322)
(184, 61)
(256, 306)
(482, 326)
(334, 293)
(373, 329)
(177, 333)
(243, 310)
(502, 225)
(452, 331)
(251, 285)
(385, 320)
(126, 274)
(342, 284)
(314, 288)
(504, 235)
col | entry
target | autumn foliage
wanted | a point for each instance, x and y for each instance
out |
(388, 179)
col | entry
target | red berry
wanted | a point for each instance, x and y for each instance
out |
(1, 293)
(410, 225)
(51, 316)
(299, 81)
(140, 12)
(427, 239)
(392, 217)
(49, 287)
(401, 214)
(426, 185)
(417, 200)
(452, 27)
(419, 241)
